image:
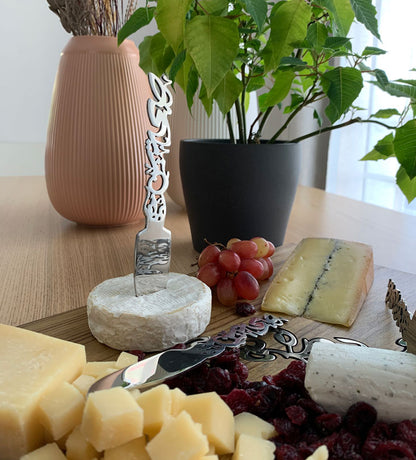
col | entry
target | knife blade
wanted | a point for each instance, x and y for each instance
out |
(158, 368)
(153, 243)
(154, 370)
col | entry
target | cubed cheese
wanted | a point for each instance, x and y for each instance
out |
(247, 423)
(321, 453)
(180, 438)
(61, 410)
(99, 368)
(324, 279)
(178, 397)
(157, 406)
(111, 418)
(125, 359)
(83, 383)
(31, 365)
(48, 452)
(132, 450)
(78, 448)
(251, 447)
(216, 418)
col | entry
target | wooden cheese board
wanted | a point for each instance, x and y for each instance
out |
(374, 325)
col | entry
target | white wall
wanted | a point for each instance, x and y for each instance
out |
(31, 40)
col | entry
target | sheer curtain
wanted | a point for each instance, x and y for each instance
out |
(374, 182)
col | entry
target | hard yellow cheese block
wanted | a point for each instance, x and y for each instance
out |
(324, 279)
(31, 365)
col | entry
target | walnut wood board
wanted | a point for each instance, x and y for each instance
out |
(374, 325)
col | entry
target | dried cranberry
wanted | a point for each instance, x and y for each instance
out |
(218, 380)
(328, 423)
(287, 432)
(240, 372)
(286, 452)
(238, 401)
(379, 433)
(139, 353)
(227, 359)
(292, 377)
(392, 450)
(359, 418)
(267, 401)
(311, 406)
(245, 309)
(346, 446)
(406, 431)
(296, 414)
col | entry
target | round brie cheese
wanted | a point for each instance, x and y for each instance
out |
(150, 322)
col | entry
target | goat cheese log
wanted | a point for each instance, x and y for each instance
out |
(149, 322)
(339, 375)
(324, 279)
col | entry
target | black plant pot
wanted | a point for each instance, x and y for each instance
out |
(238, 190)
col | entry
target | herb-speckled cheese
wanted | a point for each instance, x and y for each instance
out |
(324, 279)
(339, 375)
(149, 322)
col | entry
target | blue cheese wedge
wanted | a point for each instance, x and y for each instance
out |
(339, 375)
(150, 322)
(324, 279)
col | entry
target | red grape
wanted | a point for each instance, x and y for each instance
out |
(246, 285)
(210, 274)
(245, 249)
(253, 266)
(209, 255)
(229, 260)
(268, 268)
(271, 249)
(262, 246)
(270, 265)
(226, 292)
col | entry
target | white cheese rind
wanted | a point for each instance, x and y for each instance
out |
(151, 322)
(324, 279)
(339, 375)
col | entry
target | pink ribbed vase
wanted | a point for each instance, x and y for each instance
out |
(95, 149)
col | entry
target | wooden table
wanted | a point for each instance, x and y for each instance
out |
(48, 265)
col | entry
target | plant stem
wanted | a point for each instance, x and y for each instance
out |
(264, 118)
(241, 132)
(341, 125)
(230, 128)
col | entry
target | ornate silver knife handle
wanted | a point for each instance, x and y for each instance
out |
(153, 243)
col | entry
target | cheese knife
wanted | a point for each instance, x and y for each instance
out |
(156, 369)
(153, 243)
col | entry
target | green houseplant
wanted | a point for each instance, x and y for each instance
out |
(224, 50)
(288, 53)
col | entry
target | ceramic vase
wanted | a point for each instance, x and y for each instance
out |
(238, 190)
(95, 150)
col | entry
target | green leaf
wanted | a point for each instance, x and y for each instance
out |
(295, 63)
(176, 65)
(214, 6)
(161, 54)
(191, 87)
(282, 83)
(385, 113)
(255, 83)
(227, 92)
(405, 147)
(337, 42)
(365, 13)
(409, 82)
(207, 102)
(257, 9)
(342, 14)
(317, 117)
(342, 85)
(140, 18)
(213, 43)
(381, 78)
(317, 35)
(382, 150)
(396, 89)
(372, 51)
(146, 56)
(406, 185)
(171, 17)
(288, 25)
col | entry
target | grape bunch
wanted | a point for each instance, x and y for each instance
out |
(236, 269)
